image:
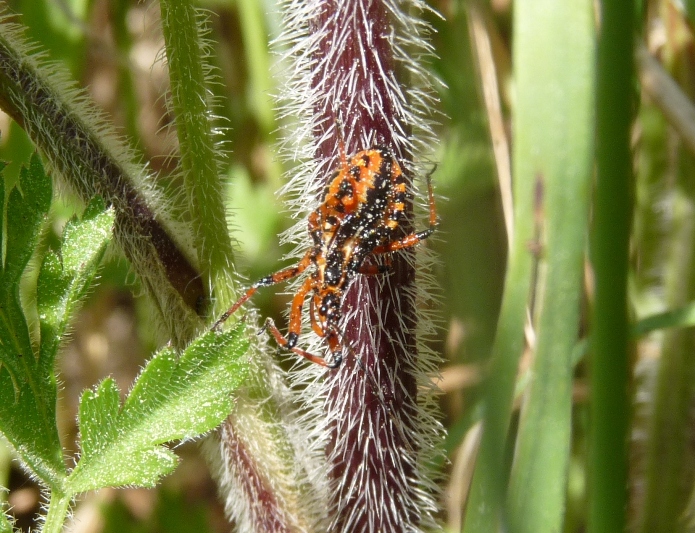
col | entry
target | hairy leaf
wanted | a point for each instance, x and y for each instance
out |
(5, 524)
(27, 392)
(27, 381)
(173, 398)
(63, 284)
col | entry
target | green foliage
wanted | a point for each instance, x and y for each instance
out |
(5, 519)
(682, 317)
(27, 383)
(65, 280)
(174, 398)
(564, 161)
(5, 524)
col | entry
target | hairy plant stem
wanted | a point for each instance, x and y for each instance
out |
(57, 510)
(93, 161)
(186, 49)
(250, 454)
(375, 418)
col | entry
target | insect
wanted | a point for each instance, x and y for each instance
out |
(361, 211)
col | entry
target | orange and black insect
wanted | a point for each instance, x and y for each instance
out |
(361, 210)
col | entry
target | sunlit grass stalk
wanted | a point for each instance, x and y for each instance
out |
(612, 215)
(554, 120)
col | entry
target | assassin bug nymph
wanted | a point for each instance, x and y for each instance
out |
(362, 207)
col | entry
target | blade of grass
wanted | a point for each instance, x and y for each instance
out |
(610, 361)
(487, 494)
(554, 126)
(681, 317)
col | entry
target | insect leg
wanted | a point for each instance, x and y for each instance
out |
(313, 318)
(272, 279)
(414, 238)
(282, 341)
(433, 207)
(406, 242)
(295, 325)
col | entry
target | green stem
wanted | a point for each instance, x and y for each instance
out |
(57, 512)
(610, 362)
(254, 436)
(5, 466)
(186, 48)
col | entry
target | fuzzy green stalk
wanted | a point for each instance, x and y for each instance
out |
(610, 352)
(253, 437)
(554, 134)
(57, 510)
(5, 466)
(189, 75)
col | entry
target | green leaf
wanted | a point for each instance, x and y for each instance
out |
(27, 381)
(683, 317)
(62, 285)
(688, 7)
(27, 391)
(173, 398)
(5, 524)
(554, 128)
(5, 518)
(26, 211)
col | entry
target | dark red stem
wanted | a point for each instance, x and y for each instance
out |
(372, 405)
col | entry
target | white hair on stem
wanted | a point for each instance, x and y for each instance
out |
(355, 73)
